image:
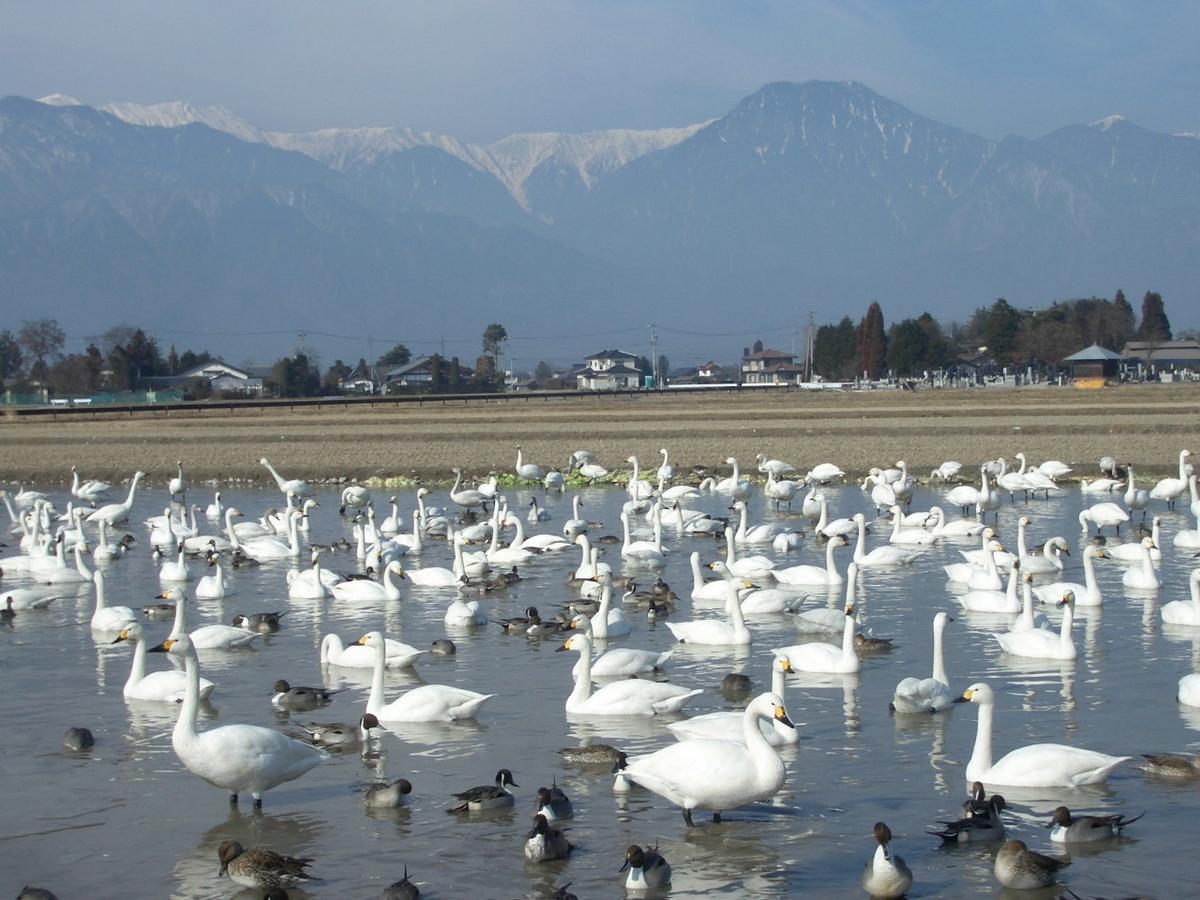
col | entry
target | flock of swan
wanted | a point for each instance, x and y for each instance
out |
(716, 762)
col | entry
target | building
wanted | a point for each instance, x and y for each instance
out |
(609, 370)
(419, 373)
(360, 381)
(1163, 354)
(766, 366)
(1094, 362)
(222, 378)
(709, 371)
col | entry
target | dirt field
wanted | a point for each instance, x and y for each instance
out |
(1146, 425)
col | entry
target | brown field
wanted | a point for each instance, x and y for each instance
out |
(1144, 424)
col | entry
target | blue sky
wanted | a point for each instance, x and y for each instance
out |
(486, 68)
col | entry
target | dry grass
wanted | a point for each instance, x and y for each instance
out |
(1143, 424)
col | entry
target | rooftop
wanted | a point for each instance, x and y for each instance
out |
(1094, 353)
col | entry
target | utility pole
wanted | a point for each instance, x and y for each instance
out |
(793, 342)
(654, 354)
(808, 351)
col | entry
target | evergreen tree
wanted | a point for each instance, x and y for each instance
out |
(907, 347)
(871, 343)
(1125, 321)
(1155, 325)
(397, 356)
(833, 350)
(10, 355)
(172, 361)
(999, 332)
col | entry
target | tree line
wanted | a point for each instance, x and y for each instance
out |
(1001, 332)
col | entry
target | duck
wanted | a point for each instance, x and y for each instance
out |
(544, 842)
(628, 697)
(1041, 643)
(488, 796)
(166, 686)
(818, 656)
(1171, 765)
(341, 735)
(401, 890)
(299, 698)
(604, 755)
(262, 622)
(648, 869)
(387, 794)
(554, 804)
(1034, 765)
(1020, 868)
(105, 617)
(239, 758)
(1143, 577)
(815, 576)
(426, 703)
(713, 774)
(398, 655)
(885, 555)
(727, 724)
(886, 874)
(1086, 594)
(207, 637)
(261, 868)
(1185, 612)
(1068, 829)
(975, 826)
(927, 695)
(711, 632)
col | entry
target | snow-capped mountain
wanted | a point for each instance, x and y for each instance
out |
(178, 113)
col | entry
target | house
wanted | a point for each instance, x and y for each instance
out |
(709, 371)
(220, 377)
(1094, 362)
(1163, 354)
(766, 366)
(360, 381)
(609, 370)
(419, 373)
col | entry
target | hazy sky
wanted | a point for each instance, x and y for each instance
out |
(480, 69)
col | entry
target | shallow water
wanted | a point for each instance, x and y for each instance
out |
(126, 819)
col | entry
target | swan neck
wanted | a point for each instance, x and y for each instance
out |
(778, 680)
(180, 626)
(185, 725)
(697, 577)
(939, 660)
(848, 639)
(730, 550)
(741, 532)
(137, 671)
(375, 698)
(981, 756)
(583, 684)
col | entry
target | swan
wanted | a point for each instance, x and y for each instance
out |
(1099, 485)
(592, 471)
(438, 576)
(643, 552)
(1086, 594)
(623, 662)
(775, 467)
(1135, 498)
(314, 583)
(736, 486)
(527, 471)
(1047, 562)
(1027, 620)
(758, 534)
(1102, 514)
(166, 686)
(885, 555)
(26, 598)
(711, 632)
(1131, 551)
(608, 621)
(536, 513)
(946, 471)
(576, 525)
(213, 511)
(235, 757)
(512, 554)
(215, 586)
(178, 486)
(116, 513)
(756, 566)
(426, 703)
(293, 486)
(537, 543)
(64, 574)
(207, 637)
(629, 697)
(788, 540)
(780, 491)
(1184, 612)
(638, 488)
(267, 547)
(957, 529)
(964, 495)
(1054, 469)
(466, 498)
(1188, 692)
(175, 570)
(831, 529)
(985, 578)
(105, 617)
(705, 590)
(1189, 538)
(1034, 765)
(1001, 602)
(817, 656)
(1143, 577)
(883, 493)
(89, 491)
(26, 498)
(824, 620)
(824, 473)
(770, 601)
(727, 724)
(1039, 643)
(927, 695)
(717, 774)
(397, 655)
(1170, 489)
(815, 575)
(666, 471)
(810, 506)
(363, 590)
(464, 613)
(909, 537)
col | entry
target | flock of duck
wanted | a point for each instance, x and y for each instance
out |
(717, 762)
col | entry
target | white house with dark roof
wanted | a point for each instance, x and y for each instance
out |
(224, 378)
(609, 370)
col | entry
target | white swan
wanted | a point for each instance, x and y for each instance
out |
(116, 513)
(757, 534)
(286, 486)
(214, 510)
(645, 553)
(397, 655)
(815, 576)
(1035, 765)
(1185, 612)
(427, 703)
(1103, 514)
(466, 498)
(206, 637)
(1135, 498)
(638, 488)
(1038, 643)
(629, 697)
(608, 621)
(1143, 577)
(830, 529)
(727, 724)
(178, 486)
(1002, 602)
(105, 617)
(268, 547)
(825, 620)
(89, 491)
(527, 471)
(717, 774)
(234, 757)
(1047, 562)
(711, 632)
(1027, 620)
(1131, 551)
(817, 656)
(439, 576)
(464, 613)
(363, 590)
(885, 555)
(909, 537)
(946, 471)
(1188, 692)
(166, 686)
(311, 584)
(701, 589)
(622, 662)
(174, 570)
(753, 566)
(1086, 594)
(959, 528)
(576, 525)
(1170, 489)
(824, 473)
(927, 695)
(214, 586)
(736, 486)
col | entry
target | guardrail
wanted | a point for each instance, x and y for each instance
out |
(199, 407)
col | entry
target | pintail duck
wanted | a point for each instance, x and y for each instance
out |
(261, 868)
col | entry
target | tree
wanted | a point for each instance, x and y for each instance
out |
(999, 332)
(295, 376)
(494, 337)
(397, 356)
(41, 338)
(172, 361)
(833, 350)
(664, 366)
(871, 343)
(1155, 325)
(1125, 322)
(10, 355)
(907, 347)
(335, 375)
(455, 373)
(543, 372)
(437, 373)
